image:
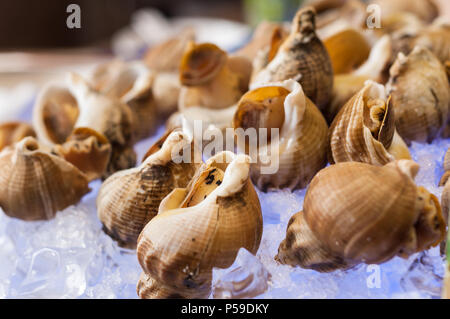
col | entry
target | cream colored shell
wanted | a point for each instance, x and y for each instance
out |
(198, 228)
(300, 151)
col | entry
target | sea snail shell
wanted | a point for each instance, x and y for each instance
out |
(198, 228)
(61, 111)
(212, 83)
(364, 130)
(12, 132)
(359, 213)
(132, 83)
(129, 199)
(420, 95)
(348, 84)
(164, 60)
(445, 198)
(300, 151)
(35, 184)
(301, 57)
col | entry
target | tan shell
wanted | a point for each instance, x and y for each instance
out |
(445, 198)
(364, 130)
(374, 68)
(129, 199)
(214, 83)
(166, 56)
(301, 57)
(262, 38)
(130, 82)
(60, 109)
(198, 228)
(88, 150)
(359, 213)
(12, 132)
(420, 95)
(340, 16)
(35, 184)
(348, 49)
(424, 9)
(435, 38)
(300, 151)
(164, 60)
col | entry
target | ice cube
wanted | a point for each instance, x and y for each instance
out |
(245, 278)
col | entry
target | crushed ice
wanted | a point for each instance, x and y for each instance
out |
(71, 257)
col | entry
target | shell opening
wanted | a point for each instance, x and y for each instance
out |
(204, 185)
(431, 226)
(201, 63)
(374, 115)
(261, 108)
(59, 115)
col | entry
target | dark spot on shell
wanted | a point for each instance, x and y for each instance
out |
(218, 182)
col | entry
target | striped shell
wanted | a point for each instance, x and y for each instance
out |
(364, 130)
(359, 213)
(420, 95)
(301, 57)
(198, 228)
(129, 199)
(35, 184)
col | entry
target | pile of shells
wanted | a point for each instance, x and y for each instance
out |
(336, 90)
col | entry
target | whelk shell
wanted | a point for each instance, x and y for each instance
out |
(61, 109)
(364, 130)
(131, 82)
(198, 228)
(420, 95)
(35, 184)
(426, 10)
(213, 84)
(12, 132)
(88, 150)
(374, 68)
(301, 57)
(359, 213)
(300, 151)
(348, 49)
(164, 60)
(129, 199)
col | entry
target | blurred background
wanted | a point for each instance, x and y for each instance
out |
(36, 45)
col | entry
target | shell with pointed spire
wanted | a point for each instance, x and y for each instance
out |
(296, 151)
(35, 184)
(359, 213)
(364, 130)
(198, 228)
(301, 57)
(420, 95)
(129, 199)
